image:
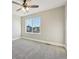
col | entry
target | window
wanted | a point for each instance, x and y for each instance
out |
(32, 25)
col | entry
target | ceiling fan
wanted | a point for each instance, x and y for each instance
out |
(25, 6)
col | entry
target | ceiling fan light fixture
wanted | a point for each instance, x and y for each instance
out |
(27, 8)
(23, 9)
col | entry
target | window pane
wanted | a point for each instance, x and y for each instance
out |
(36, 24)
(28, 23)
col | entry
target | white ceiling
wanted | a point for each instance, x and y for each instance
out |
(43, 5)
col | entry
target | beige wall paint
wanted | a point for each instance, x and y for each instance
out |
(52, 25)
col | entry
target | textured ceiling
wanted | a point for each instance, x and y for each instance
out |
(43, 5)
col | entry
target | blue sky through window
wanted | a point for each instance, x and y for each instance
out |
(29, 22)
(36, 22)
(33, 22)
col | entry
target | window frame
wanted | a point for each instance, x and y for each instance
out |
(32, 26)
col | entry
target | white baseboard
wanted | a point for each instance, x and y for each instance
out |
(16, 38)
(45, 42)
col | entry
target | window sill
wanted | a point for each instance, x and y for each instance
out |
(31, 33)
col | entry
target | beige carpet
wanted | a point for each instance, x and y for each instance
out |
(25, 49)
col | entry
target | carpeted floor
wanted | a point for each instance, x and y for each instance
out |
(25, 49)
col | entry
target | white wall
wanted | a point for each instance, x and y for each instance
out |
(52, 26)
(16, 27)
(65, 24)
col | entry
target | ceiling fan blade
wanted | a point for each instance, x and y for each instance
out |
(24, 1)
(19, 9)
(34, 6)
(16, 3)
